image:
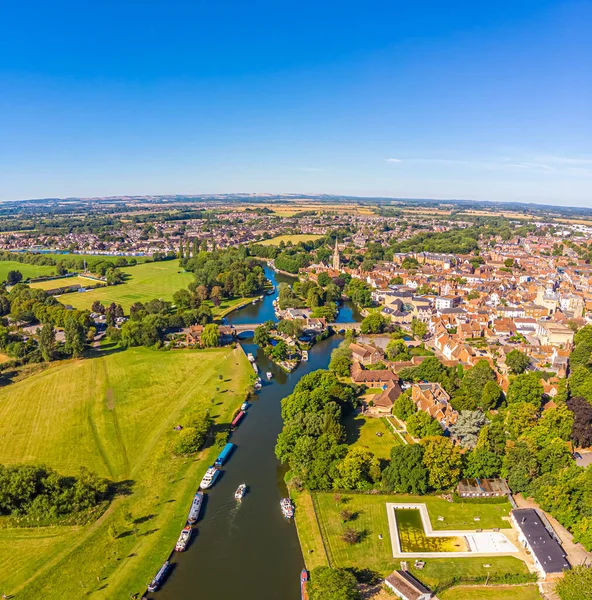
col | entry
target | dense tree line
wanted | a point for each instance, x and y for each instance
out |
(38, 491)
(229, 273)
(311, 441)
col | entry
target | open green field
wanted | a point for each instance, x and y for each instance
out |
(295, 239)
(53, 284)
(96, 257)
(114, 414)
(370, 518)
(362, 431)
(144, 282)
(499, 592)
(309, 535)
(27, 270)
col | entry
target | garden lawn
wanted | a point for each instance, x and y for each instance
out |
(115, 415)
(311, 541)
(53, 284)
(502, 592)
(295, 239)
(26, 270)
(143, 283)
(361, 431)
(371, 520)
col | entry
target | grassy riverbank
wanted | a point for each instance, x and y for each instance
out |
(115, 415)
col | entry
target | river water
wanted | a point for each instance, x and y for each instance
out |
(247, 550)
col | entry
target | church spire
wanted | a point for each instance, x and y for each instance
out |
(336, 261)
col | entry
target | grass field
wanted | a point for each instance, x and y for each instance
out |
(27, 270)
(145, 282)
(371, 519)
(361, 431)
(115, 415)
(53, 284)
(309, 535)
(295, 239)
(500, 592)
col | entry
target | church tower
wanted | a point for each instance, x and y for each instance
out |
(336, 261)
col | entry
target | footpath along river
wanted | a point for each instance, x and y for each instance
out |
(247, 550)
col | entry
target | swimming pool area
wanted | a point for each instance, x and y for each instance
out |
(412, 536)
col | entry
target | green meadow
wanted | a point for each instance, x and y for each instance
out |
(114, 414)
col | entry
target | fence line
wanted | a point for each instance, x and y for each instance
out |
(314, 510)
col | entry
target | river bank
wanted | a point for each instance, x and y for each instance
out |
(249, 539)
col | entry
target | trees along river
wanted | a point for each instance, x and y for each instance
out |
(247, 550)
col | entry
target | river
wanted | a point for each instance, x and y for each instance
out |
(247, 550)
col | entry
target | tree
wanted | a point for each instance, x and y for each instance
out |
(421, 425)
(182, 299)
(482, 463)
(341, 361)
(443, 461)
(404, 406)
(559, 420)
(526, 388)
(74, 336)
(261, 336)
(210, 337)
(396, 350)
(323, 279)
(97, 307)
(474, 381)
(47, 342)
(581, 432)
(509, 263)
(520, 466)
(333, 584)
(279, 352)
(373, 323)
(359, 470)
(406, 473)
(14, 277)
(491, 396)
(519, 418)
(576, 584)
(418, 328)
(517, 361)
(467, 427)
(351, 536)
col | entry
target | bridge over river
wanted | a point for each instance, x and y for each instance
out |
(244, 327)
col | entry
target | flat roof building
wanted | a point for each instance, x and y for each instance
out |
(547, 553)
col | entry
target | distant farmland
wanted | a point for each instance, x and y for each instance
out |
(295, 239)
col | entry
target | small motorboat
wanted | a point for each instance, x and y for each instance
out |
(269, 374)
(183, 540)
(287, 508)
(244, 406)
(250, 357)
(240, 491)
(258, 384)
(159, 577)
(305, 355)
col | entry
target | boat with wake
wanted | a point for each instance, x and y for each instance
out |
(240, 491)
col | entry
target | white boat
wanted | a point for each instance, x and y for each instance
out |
(305, 355)
(195, 508)
(244, 406)
(269, 374)
(258, 384)
(260, 297)
(255, 367)
(183, 540)
(287, 508)
(209, 478)
(255, 301)
(250, 357)
(240, 491)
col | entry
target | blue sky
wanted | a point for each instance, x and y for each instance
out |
(491, 101)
